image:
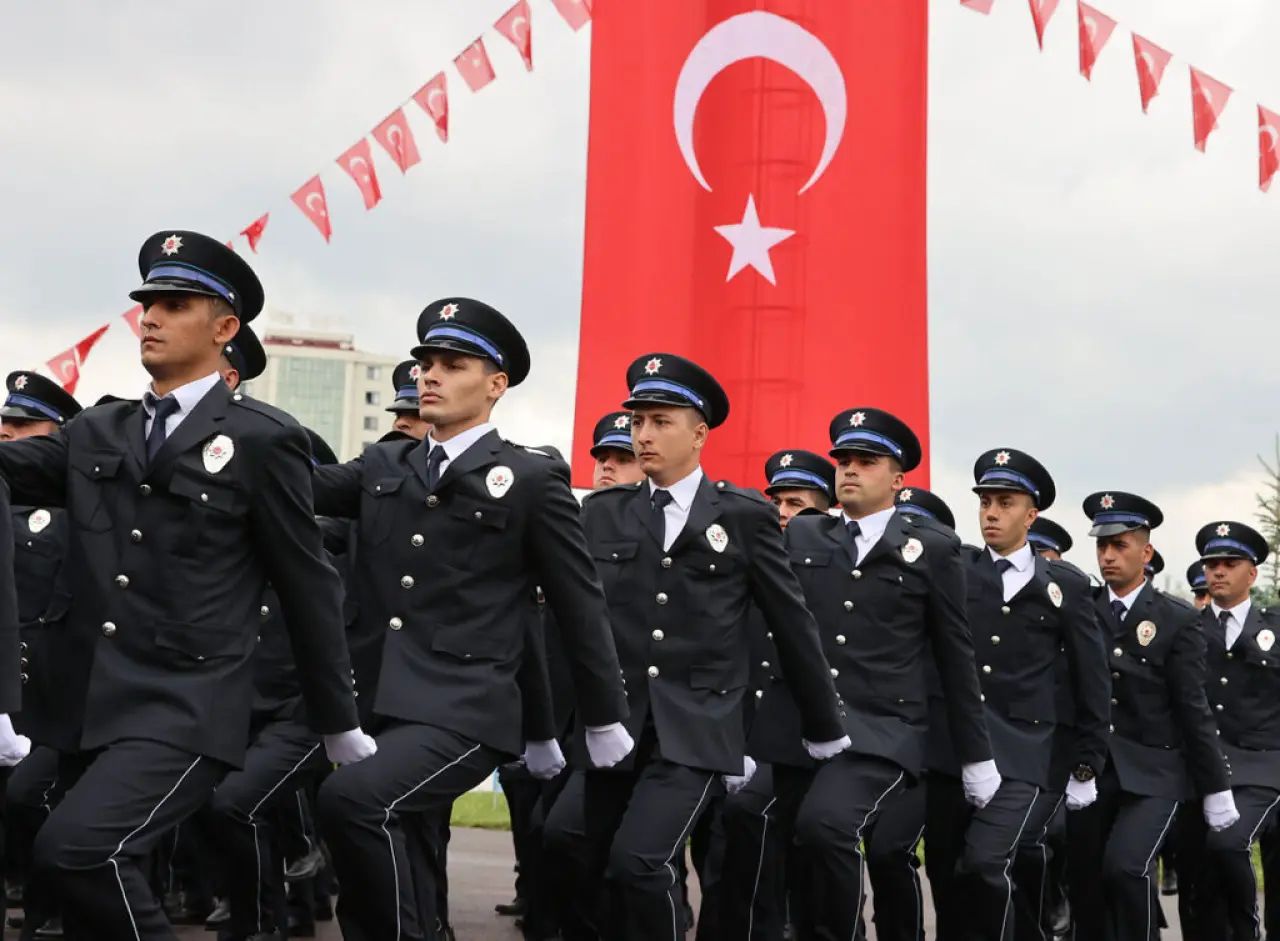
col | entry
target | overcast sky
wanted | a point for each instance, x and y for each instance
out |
(1101, 294)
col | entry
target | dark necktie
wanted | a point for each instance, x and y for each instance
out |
(1224, 618)
(1119, 610)
(658, 515)
(434, 460)
(1003, 565)
(164, 410)
(855, 530)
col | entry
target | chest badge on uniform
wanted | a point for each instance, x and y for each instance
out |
(1055, 594)
(912, 550)
(717, 537)
(499, 481)
(38, 520)
(1146, 633)
(217, 453)
(1266, 639)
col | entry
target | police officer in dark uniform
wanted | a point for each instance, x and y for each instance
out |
(683, 560)
(1048, 539)
(181, 507)
(405, 404)
(1199, 585)
(13, 747)
(1163, 748)
(243, 358)
(1156, 565)
(884, 587)
(1243, 687)
(473, 524)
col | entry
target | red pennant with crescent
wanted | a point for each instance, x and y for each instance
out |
(311, 200)
(433, 98)
(515, 27)
(1151, 61)
(474, 66)
(1095, 29)
(397, 140)
(1208, 99)
(358, 162)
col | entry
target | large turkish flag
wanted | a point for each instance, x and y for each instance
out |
(756, 202)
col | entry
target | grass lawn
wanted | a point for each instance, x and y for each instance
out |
(482, 809)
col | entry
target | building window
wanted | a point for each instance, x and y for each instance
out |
(372, 398)
(373, 373)
(370, 423)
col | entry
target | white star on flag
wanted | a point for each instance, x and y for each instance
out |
(751, 243)
(171, 245)
(1224, 529)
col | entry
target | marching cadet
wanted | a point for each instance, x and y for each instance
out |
(1243, 688)
(1198, 582)
(1048, 539)
(682, 561)
(13, 747)
(612, 452)
(799, 481)
(1026, 614)
(1163, 747)
(885, 587)
(181, 506)
(405, 404)
(472, 523)
(1155, 566)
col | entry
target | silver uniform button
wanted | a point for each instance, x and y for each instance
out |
(1117, 652)
(653, 672)
(840, 639)
(1004, 609)
(658, 635)
(662, 597)
(145, 490)
(109, 629)
(433, 501)
(479, 515)
(417, 539)
(1223, 681)
(764, 664)
(1218, 707)
(666, 561)
(848, 605)
(265, 611)
(122, 581)
(759, 694)
(834, 672)
(1115, 702)
(396, 624)
(136, 535)
(204, 498)
(995, 640)
(406, 581)
(986, 668)
(857, 573)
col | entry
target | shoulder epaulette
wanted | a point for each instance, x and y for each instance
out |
(277, 415)
(725, 486)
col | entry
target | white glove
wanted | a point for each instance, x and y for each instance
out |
(981, 781)
(608, 744)
(1080, 794)
(348, 747)
(733, 783)
(821, 751)
(544, 759)
(1220, 810)
(13, 747)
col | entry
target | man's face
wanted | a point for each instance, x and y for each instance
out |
(1121, 558)
(791, 502)
(410, 424)
(867, 483)
(1229, 580)
(615, 466)
(666, 437)
(1005, 516)
(180, 331)
(11, 429)
(1201, 600)
(455, 388)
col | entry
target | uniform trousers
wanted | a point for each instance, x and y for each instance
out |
(841, 798)
(237, 821)
(1269, 843)
(117, 804)
(427, 843)
(1227, 890)
(296, 829)
(418, 769)
(28, 792)
(969, 855)
(638, 821)
(522, 791)
(1032, 871)
(752, 894)
(893, 865)
(568, 885)
(1114, 844)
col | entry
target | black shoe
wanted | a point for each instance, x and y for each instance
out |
(13, 896)
(305, 868)
(50, 929)
(220, 915)
(264, 936)
(183, 910)
(300, 927)
(15, 921)
(517, 906)
(1169, 882)
(1060, 919)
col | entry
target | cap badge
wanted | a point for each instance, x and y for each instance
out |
(622, 421)
(448, 311)
(1146, 632)
(717, 537)
(904, 496)
(499, 481)
(651, 368)
(217, 453)
(1002, 458)
(856, 419)
(415, 371)
(1223, 530)
(20, 383)
(172, 245)
(38, 520)
(786, 461)
(1055, 594)
(912, 550)
(1266, 639)
(1107, 501)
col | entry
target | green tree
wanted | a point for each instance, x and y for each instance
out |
(1267, 515)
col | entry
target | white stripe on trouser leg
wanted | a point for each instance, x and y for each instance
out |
(1042, 843)
(764, 840)
(302, 820)
(1146, 871)
(253, 822)
(684, 835)
(1257, 921)
(386, 819)
(857, 842)
(915, 885)
(124, 897)
(1008, 862)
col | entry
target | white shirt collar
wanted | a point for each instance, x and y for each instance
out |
(1022, 557)
(682, 491)
(455, 446)
(188, 396)
(872, 527)
(1129, 599)
(1239, 612)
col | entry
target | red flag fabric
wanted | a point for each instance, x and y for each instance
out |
(65, 370)
(1041, 13)
(397, 140)
(1151, 61)
(133, 317)
(433, 98)
(1208, 98)
(1095, 29)
(310, 199)
(358, 162)
(514, 25)
(577, 13)
(725, 234)
(474, 66)
(253, 232)
(982, 6)
(1268, 147)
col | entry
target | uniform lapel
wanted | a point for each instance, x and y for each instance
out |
(203, 422)
(132, 430)
(836, 531)
(478, 455)
(1102, 602)
(704, 511)
(639, 507)
(417, 458)
(1212, 629)
(1039, 581)
(891, 540)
